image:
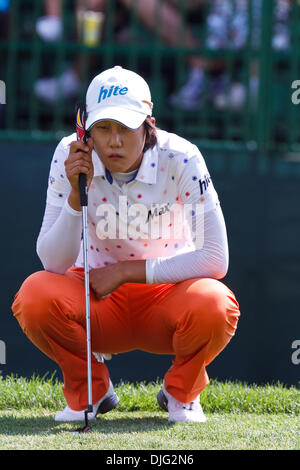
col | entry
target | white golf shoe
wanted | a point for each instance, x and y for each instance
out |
(181, 412)
(105, 404)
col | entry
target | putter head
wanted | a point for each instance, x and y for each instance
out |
(82, 430)
(86, 427)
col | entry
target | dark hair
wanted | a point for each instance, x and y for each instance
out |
(151, 136)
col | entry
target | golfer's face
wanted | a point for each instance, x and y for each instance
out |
(120, 149)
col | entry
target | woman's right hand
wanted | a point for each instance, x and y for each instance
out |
(79, 161)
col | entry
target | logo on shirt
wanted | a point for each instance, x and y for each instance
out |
(156, 211)
(114, 90)
(204, 183)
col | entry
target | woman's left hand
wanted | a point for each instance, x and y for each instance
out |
(105, 280)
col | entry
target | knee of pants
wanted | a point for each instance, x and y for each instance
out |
(32, 301)
(212, 310)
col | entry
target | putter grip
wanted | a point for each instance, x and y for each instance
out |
(83, 189)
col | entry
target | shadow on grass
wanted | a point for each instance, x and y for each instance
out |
(45, 425)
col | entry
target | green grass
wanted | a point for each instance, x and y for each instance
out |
(239, 416)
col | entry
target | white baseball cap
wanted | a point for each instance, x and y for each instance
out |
(120, 95)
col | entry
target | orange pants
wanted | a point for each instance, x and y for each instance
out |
(192, 320)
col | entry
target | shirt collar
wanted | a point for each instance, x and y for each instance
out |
(99, 168)
(147, 172)
(148, 168)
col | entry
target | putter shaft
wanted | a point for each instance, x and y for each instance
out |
(87, 305)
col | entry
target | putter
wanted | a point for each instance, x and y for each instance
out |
(81, 135)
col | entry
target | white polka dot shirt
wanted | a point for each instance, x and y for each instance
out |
(166, 212)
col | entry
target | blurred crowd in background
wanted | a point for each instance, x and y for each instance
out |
(214, 25)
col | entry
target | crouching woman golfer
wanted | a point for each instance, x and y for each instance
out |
(157, 251)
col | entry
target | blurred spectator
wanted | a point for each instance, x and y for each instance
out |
(170, 30)
(50, 28)
(281, 37)
(228, 28)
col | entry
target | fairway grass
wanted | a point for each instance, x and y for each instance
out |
(240, 417)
